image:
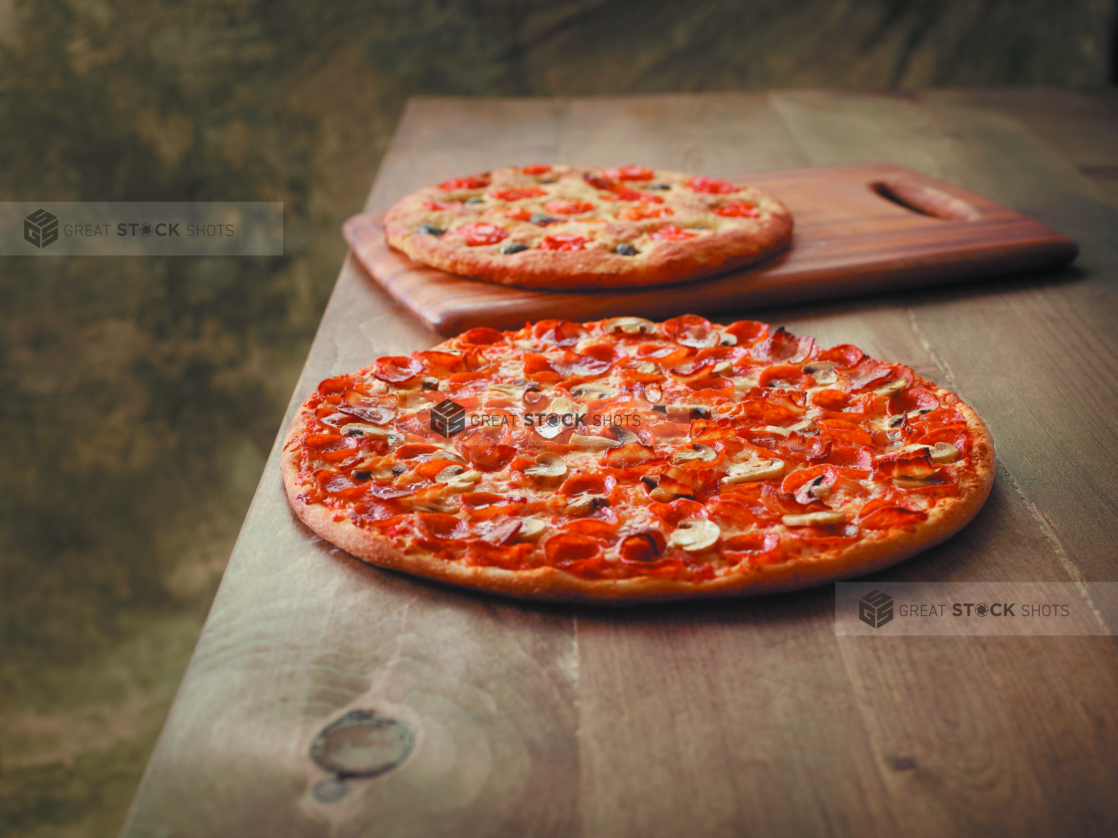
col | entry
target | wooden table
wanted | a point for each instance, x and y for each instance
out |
(721, 718)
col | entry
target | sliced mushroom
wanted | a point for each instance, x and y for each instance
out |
(890, 387)
(435, 502)
(695, 451)
(371, 431)
(722, 367)
(457, 479)
(449, 454)
(629, 325)
(593, 443)
(548, 470)
(593, 390)
(530, 529)
(904, 481)
(753, 471)
(944, 452)
(683, 412)
(811, 519)
(822, 371)
(648, 368)
(562, 406)
(695, 534)
(728, 339)
(583, 504)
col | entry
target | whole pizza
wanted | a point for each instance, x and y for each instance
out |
(564, 227)
(626, 461)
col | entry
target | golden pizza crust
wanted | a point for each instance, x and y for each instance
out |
(878, 550)
(720, 243)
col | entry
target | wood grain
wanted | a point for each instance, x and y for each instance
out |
(724, 718)
(859, 229)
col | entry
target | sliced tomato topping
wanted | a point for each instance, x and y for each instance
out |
(737, 209)
(436, 206)
(784, 346)
(711, 186)
(644, 210)
(481, 336)
(536, 169)
(628, 173)
(470, 182)
(568, 207)
(915, 398)
(564, 241)
(843, 356)
(481, 233)
(672, 233)
(517, 193)
(397, 368)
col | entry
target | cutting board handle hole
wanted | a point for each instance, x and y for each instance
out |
(926, 200)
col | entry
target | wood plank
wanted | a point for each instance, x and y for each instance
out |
(300, 634)
(849, 239)
(998, 347)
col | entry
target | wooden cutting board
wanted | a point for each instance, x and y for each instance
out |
(859, 228)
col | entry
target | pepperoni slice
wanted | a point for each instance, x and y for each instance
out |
(536, 169)
(690, 330)
(737, 209)
(784, 346)
(628, 173)
(338, 384)
(434, 527)
(564, 241)
(559, 332)
(672, 233)
(915, 398)
(711, 186)
(568, 207)
(748, 332)
(565, 548)
(844, 356)
(757, 548)
(481, 336)
(469, 182)
(397, 368)
(481, 232)
(885, 517)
